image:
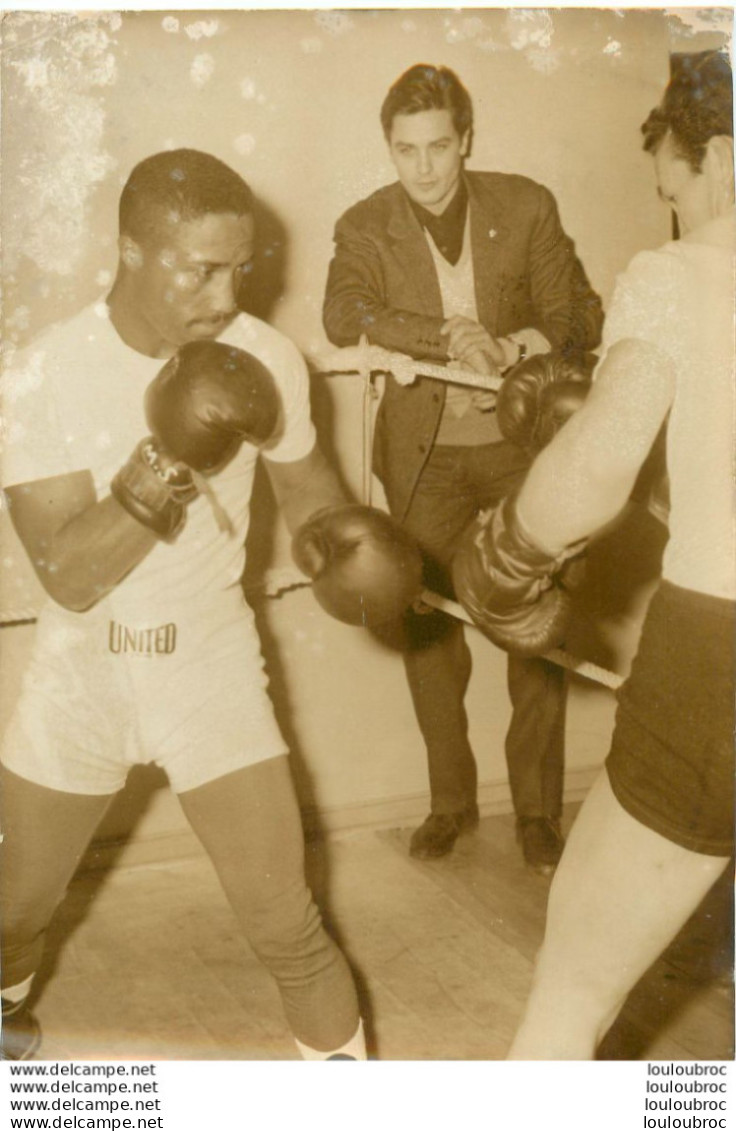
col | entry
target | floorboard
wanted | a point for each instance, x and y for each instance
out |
(148, 962)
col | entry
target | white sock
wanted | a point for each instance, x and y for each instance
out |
(354, 1049)
(14, 996)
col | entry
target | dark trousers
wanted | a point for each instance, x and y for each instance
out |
(455, 484)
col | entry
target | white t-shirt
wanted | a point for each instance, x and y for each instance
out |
(73, 401)
(681, 300)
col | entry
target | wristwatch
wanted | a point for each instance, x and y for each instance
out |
(522, 354)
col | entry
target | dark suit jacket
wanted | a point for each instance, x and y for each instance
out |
(382, 283)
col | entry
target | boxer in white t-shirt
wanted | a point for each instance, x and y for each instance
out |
(146, 650)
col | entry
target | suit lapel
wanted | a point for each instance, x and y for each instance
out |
(413, 255)
(489, 240)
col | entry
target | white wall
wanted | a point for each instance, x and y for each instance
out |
(291, 100)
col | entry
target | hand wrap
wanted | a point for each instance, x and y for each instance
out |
(517, 594)
(154, 490)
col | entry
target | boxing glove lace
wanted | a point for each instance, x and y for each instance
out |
(514, 591)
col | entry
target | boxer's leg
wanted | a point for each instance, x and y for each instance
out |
(45, 833)
(619, 896)
(250, 825)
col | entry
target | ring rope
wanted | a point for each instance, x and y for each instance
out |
(366, 360)
(556, 655)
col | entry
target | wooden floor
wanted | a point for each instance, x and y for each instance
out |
(147, 961)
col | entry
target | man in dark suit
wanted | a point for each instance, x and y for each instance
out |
(475, 270)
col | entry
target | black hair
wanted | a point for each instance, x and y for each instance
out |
(182, 184)
(696, 106)
(426, 87)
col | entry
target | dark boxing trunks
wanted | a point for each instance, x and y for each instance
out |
(671, 764)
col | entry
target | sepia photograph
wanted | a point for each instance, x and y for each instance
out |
(384, 358)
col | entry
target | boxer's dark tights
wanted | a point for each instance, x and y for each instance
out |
(249, 823)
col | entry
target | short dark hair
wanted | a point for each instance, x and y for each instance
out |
(696, 106)
(426, 87)
(180, 182)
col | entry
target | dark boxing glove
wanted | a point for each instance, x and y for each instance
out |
(154, 490)
(207, 400)
(538, 397)
(515, 592)
(365, 569)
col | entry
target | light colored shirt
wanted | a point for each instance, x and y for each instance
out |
(73, 401)
(681, 300)
(461, 421)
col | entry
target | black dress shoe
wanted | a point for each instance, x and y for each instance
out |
(541, 842)
(439, 832)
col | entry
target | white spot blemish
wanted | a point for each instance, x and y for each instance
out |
(20, 319)
(613, 47)
(468, 28)
(334, 23)
(247, 88)
(102, 310)
(526, 28)
(202, 29)
(103, 278)
(202, 69)
(65, 131)
(693, 20)
(311, 46)
(59, 640)
(544, 61)
(35, 72)
(245, 144)
(18, 382)
(170, 24)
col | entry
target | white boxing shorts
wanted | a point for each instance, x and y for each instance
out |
(183, 687)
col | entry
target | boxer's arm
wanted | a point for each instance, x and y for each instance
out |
(304, 486)
(584, 477)
(80, 547)
(356, 304)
